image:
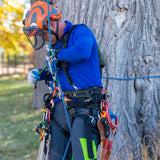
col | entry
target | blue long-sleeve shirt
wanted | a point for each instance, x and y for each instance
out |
(83, 61)
(82, 57)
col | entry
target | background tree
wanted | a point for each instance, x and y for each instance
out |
(12, 37)
(128, 34)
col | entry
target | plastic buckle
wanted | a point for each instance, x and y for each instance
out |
(95, 96)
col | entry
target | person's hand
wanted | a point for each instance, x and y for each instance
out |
(56, 52)
(33, 76)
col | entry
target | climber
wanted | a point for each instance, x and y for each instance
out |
(79, 77)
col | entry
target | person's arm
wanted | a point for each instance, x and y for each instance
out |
(36, 75)
(43, 74)
(81, 50)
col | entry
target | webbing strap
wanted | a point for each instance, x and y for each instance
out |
(60, 128)
(66, 37)
(64, 64)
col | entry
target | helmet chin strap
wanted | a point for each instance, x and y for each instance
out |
(56, 34)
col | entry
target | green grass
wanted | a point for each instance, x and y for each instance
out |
(18, 138)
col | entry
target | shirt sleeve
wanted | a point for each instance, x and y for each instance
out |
(81, 50)
(43, 75)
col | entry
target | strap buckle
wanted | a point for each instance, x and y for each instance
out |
(95, 97)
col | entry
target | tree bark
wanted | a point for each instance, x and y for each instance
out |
(41, 88)
(128, 35)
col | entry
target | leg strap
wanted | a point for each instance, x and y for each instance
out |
(88, 133)
(61, 129)
(89, 141)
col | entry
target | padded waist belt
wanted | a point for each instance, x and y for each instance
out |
(76, 94)
(93, 94)
(81, 103)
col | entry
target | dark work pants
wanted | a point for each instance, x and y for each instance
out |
(59, 140)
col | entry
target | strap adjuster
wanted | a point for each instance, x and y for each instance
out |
(95, 97)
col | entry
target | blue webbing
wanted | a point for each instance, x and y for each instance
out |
(127, 79)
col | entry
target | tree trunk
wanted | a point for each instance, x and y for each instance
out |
(41, 87)
(128, 35)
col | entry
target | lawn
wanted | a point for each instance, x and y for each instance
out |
(18, 138)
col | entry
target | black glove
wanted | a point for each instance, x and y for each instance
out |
(56, 52)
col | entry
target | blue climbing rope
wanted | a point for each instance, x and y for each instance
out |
(67, 116)
(49, 30)
(55, 67)
(127, 79)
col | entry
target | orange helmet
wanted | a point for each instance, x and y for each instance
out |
(36, 22)
(38, 14)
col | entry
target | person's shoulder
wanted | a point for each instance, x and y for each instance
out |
(68, 27)
(81, 28)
